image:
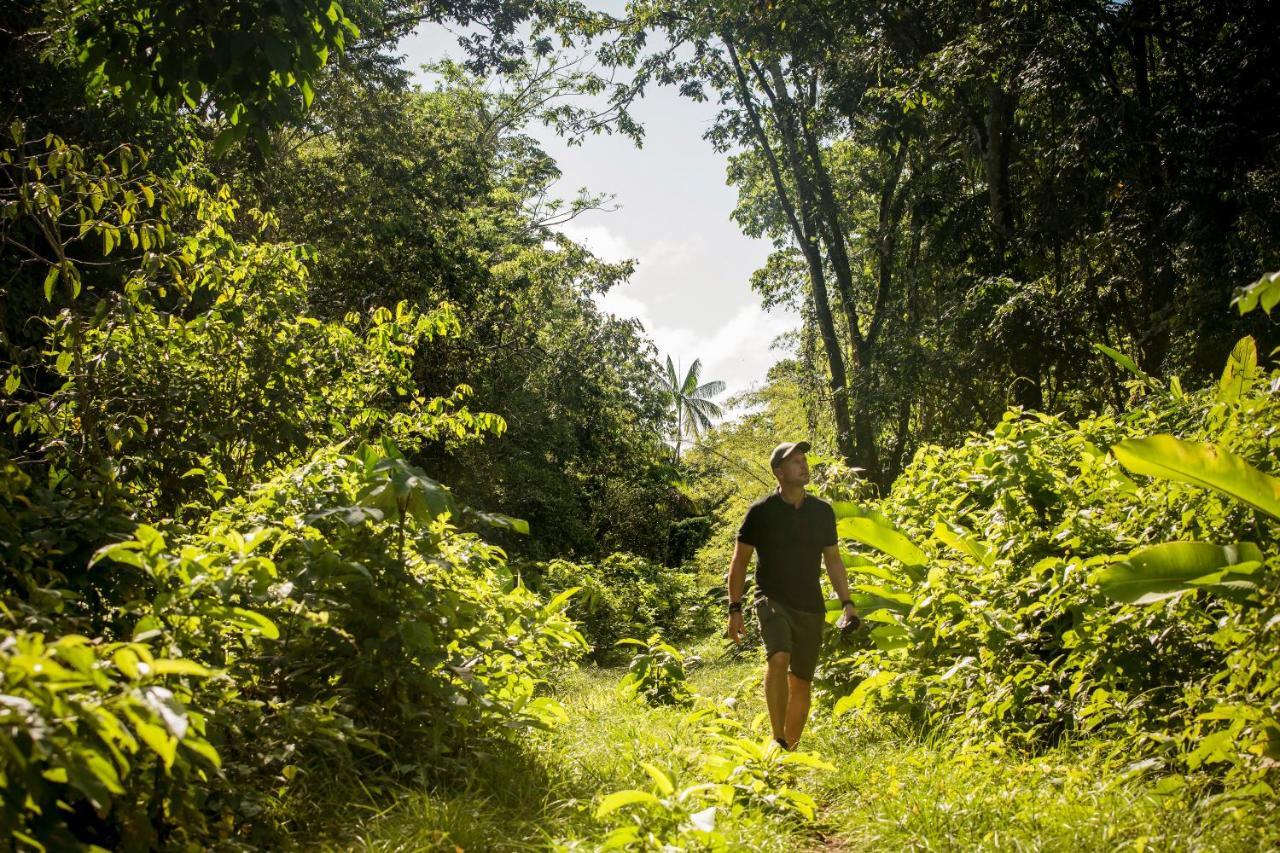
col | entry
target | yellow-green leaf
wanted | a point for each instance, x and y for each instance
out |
(1240, 371)
(881, 537)
(619, 799)
(1172, 568)
(1201, 464)
(665, 786)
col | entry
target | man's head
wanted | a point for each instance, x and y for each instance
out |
(789, 463)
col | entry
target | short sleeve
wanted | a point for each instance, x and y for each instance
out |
(829, 537)
(749, 532)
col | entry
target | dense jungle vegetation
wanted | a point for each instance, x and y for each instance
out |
(334, 512)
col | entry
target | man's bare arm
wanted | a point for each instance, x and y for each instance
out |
(839, 582)
(737, 583)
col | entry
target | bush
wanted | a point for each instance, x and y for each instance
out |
(656, 673)
(994, 574)
(626, 596)
(347, 625)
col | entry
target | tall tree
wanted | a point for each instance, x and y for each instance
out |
(689, 402)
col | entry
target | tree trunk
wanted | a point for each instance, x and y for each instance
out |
(998, 123)
(802, 218)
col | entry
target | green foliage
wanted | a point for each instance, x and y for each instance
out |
(1008, 627)
(94, 730)
(1263, 293)
(249, 64)
(961, 201)
(624, 596)
(656, 672)
(734, 776)
(1201, 464)
(350, 627)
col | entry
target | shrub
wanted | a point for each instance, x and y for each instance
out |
(992, 578)
(347, 625)
(625, 595)
(656, 673)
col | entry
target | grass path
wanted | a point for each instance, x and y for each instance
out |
(890, 790)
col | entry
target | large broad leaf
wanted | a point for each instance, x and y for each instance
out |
(1124, 361)
(1264, 292)
(1201, 465)
(1162, 571)
(961, 540)
(849, 509)
(883, 538)
(1240, 371)
(855, 563)
(868, 598)
(617, 800)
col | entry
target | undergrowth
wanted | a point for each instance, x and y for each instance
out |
(891, 786)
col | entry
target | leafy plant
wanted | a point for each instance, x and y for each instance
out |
(100, 744)
(667, 817)
(625, 595)
(656, 673)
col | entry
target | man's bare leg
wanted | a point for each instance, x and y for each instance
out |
(776, 691)
(797, 708)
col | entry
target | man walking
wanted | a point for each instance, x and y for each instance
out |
(793, 532)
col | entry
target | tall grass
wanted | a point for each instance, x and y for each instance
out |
(892, 788)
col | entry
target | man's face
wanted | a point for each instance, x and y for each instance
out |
(794, 470)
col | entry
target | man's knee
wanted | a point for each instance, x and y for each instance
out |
(799, 685)
(779, 662)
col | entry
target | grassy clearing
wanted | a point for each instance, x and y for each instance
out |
(890, 788)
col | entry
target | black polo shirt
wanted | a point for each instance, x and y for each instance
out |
(789, 542)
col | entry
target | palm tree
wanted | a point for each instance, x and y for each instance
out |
(693, 408)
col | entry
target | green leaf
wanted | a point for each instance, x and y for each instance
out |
(178, 666)
(161, 742)
(51, 279)
(278, 54)
(1201, 464)
(890, 637)
(1240, 372)
(883, 538)
(120, 552)
(1123, 360)
(227, 137)
(250, 620)
(861, 693)
(1264, 292)
(555, 604)
(1162, 571)
(849, 509)
(619, 799)
(664, 783)
(967, 545)
(856, 564)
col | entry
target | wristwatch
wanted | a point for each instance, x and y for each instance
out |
(846, 603)
(735, 606)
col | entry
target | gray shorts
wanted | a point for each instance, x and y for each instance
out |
(797, 632)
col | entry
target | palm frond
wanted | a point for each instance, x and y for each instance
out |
(709, 389)
(705, 409)
(691, 378)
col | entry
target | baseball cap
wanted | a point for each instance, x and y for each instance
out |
(782, 451)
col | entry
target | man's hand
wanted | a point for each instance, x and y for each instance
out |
(849, 620)
(736, 632)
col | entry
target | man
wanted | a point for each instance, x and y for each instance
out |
(793, 531)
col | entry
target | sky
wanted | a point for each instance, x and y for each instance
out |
(691, 289)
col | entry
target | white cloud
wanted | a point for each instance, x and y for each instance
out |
(736, 351)
(667, 254)
(602, 242)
